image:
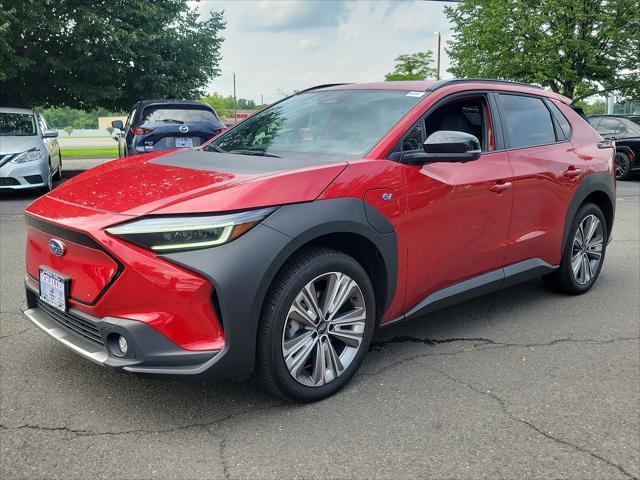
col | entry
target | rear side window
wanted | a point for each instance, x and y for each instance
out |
(177, 115)
(563, 123)
(528, 121)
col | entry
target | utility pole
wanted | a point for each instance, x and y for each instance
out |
(439, 43)
(261, 100)
(235, 102)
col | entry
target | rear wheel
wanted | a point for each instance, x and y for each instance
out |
(623, 166)
(316, 325)
(584, 252)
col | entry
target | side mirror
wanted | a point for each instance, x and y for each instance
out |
(446, 146)
(50, 134)
(117, 124)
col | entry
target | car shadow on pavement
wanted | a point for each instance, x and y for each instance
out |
(178, 401)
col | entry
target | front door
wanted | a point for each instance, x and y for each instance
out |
(458, 213)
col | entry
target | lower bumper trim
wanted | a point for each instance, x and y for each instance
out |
(83, 347)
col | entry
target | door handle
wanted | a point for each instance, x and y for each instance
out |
(501, 187)
(572, 172)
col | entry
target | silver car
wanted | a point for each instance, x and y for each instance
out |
(29, 150)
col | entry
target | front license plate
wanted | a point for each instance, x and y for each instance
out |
(54, 289)
(184, 142)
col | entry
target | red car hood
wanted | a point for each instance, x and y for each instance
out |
(196, 181)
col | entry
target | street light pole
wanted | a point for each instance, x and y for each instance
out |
(439, 42)
(235, 103)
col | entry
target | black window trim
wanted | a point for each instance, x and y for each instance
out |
(549, 103)
(505, 133)
(496, 122)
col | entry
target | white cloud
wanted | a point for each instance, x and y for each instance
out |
(276, 47)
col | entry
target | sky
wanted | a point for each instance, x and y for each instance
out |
(278, 46)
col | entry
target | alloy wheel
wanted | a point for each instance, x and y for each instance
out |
(324, 329)
(586, 253)
(621, 165)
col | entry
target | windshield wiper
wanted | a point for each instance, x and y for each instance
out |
(260, 153)
(215, 148)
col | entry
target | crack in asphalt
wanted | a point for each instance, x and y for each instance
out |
(9, 335)
(483, 342)
(504, 407)
(91, 433)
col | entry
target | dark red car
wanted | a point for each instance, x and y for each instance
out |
(281, 245)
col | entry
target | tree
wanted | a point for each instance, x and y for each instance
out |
(108, 53)
(69, 130)
(575, 47)
(597, 107)
(415, 66)
(217, 102)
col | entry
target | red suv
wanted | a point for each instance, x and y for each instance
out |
(283, 243)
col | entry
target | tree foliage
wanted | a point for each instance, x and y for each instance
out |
(105, 53)
(224, 105)
(60, 117)
(415, 66)
(574, 47)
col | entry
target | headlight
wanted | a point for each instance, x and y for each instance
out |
(169, 234)
(28, 156)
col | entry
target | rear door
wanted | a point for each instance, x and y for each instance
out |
(458, 212)
(546, 171)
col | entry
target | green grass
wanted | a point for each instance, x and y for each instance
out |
(89, 152)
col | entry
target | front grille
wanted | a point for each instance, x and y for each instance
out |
(8, 181)
(72, 322)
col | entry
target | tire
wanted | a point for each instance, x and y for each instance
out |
(623, 166)
(283, 327)
(576, 281)
(58, 175)
(48, 185)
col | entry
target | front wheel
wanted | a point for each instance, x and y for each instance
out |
(316, 325)
(583, 254)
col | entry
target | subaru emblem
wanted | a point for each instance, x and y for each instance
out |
(57, 247)
(183, 128)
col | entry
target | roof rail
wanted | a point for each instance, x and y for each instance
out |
(326, 85)
(450, 81)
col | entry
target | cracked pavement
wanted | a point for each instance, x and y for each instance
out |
(521, 383)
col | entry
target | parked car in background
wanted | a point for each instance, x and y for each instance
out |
(626, 134)
(29, 150)
(282, 244)
(154, 125)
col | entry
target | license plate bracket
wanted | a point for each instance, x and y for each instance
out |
(184, 142)
(54, 289)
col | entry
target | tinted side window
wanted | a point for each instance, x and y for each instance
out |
(565, 127)
(528, 121)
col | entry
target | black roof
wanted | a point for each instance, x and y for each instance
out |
(450, 81)
(616, 115)
(195, 103)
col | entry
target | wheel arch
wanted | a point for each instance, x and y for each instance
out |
(362, 250)
(343, 225)
(597, 188)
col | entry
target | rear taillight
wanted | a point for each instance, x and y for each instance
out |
(141, 131)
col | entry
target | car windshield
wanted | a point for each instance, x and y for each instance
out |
(178, 115)
(17, 124)
(339, 123)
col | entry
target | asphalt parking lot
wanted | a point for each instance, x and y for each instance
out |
(522, 383)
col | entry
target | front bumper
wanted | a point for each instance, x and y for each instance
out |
(19, 176)
(94, 338)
